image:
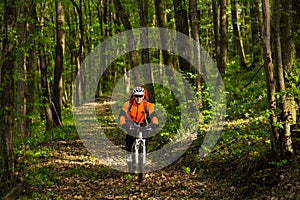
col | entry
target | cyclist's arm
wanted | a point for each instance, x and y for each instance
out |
(123, 114)
(152, 115)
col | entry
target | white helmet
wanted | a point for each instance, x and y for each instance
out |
(138, 91)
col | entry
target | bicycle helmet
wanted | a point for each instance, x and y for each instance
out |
(138, 91)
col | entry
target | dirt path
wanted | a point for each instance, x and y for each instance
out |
(71, 172)
(74, 174)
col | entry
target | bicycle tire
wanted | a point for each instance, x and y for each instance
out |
(141, 163)
(131, 166)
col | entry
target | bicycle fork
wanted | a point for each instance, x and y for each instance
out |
(139, 141)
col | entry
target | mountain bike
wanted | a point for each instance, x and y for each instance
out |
(138, 151)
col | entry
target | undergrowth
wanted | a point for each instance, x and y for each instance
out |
(240, 157)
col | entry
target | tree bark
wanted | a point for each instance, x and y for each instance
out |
(223, 36)
(21, 79)
(57, 89)
(143, 13)
(255, 31)
(30, 71)
(283, 47)
(45, 89)
(269, 70)
(216, 14)
(181, 22)
(237, 35)
(80, 90)
(133, 57)
(46, 100)
(296, 28)
(197, 55)
(7, 98)
(161, 22)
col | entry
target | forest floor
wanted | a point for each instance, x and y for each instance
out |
(68, 171)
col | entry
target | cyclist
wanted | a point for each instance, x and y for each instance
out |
(137, 111)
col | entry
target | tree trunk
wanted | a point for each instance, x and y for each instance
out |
(80, 90)
(161, 22)
(7, 98)
(181, 22)
(133, 57)
(46, 101)
(195, 36)
(143, 13)
(237, 35)
(285, 42)
(7, 118)
(296, 28)
(45, 89)
(223, 36)
(269, 70)
(21, 79)
(57, 89)
(255, 31)
(166, 57)
(279, 73)
(215, 8)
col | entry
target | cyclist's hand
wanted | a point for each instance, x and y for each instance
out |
(154, 126)
(132, 128)
(126, 127)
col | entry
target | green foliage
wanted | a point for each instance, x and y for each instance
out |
(186, 170)
(293, 79)
(242, 101)
(244, 143)
(279, 163)
(169, 102)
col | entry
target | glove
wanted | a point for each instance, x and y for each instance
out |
(154, 126)
(125, 127)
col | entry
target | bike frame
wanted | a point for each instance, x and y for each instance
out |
(140, 141)
(139, 151)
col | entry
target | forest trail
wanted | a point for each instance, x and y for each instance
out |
(73, 173)
(76, 175)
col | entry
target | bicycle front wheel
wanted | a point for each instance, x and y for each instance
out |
(141, 163)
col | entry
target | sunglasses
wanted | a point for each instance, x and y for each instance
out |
(138, 96)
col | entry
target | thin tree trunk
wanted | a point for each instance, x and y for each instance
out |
(59, 60)
(21, 80)
(223, 36)
(30, 71)
(143, 13)
(133, 57)
(197, 55)
(215, 8)
(255, 31)
(161, 22)
(296, 20)
(80, 91)
(269, 70)
(237, 35)
(45, 89)
(46, 101)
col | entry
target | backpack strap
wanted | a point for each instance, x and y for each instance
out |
(145, 108)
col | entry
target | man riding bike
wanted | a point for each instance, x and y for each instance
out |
(137, 111)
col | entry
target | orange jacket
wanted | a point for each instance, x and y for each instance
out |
(136, 112)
